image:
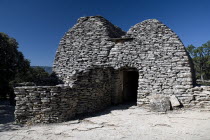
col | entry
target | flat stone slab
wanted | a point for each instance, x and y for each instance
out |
(174, 101)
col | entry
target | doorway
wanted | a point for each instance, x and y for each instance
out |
(130, 85)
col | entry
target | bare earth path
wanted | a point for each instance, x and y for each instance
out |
(121, 123)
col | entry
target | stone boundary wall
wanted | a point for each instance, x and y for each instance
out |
(44, 104)
(49, 104)
(200, 97)
(196, 97)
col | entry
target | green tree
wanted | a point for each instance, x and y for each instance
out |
(201, 59)
(12, 62)
(206, 53)
(36, 75)
(40, 77)
(14, 68)
(190, 50)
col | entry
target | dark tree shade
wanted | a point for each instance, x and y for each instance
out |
(12, 62)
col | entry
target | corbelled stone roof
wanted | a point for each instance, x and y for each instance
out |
(84, 45)
(152, 48)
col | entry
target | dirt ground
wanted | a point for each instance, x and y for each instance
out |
(119, 122)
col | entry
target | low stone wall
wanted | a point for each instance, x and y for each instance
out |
(44, 104)
(50, 104)
(90, 92)
(196, 97)
(200, 97)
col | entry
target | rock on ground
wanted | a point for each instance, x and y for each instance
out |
(174, 101)
(160, 103)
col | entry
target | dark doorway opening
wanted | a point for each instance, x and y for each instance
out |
(130, 85)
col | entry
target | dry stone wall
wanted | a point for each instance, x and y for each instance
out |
(94, 88)
(197, 97)
(48, 104)
(160, 57)
(44, 104)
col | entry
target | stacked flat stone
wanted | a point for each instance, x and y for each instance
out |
(90, 61)
(94, 89)
(198, 97)
(156, 52)
(160, 57)
(84, 46)
(49, 104)
(45, 104)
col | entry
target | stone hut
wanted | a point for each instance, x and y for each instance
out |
(99, 65)
(150, 57)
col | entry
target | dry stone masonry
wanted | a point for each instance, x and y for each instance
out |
(99, 65)
(44, 104)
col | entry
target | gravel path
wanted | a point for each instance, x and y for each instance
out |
(121, 122)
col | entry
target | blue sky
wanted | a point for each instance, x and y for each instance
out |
(38, 25)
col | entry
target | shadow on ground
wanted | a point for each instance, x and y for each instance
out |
(7, 116)
(108, 110)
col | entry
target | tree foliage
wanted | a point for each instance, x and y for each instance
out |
(201, 60)
(12, 62)
(14, 68)
(36, 75)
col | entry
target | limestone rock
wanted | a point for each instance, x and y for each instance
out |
(160, 103)
(174, 101)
